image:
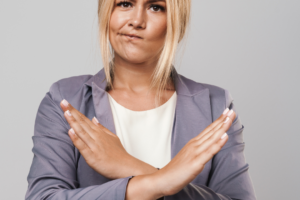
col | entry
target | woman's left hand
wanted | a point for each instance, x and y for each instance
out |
(101, 149)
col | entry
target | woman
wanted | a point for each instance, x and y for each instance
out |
(107, 136)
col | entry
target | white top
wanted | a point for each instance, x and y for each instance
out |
(146, 135)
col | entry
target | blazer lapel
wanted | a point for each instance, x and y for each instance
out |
(192, 113)
(102, 106)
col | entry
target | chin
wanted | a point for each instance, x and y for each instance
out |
(135, 57)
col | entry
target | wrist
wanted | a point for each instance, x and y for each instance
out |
(142, 187)
(153, 179)
(142, 168)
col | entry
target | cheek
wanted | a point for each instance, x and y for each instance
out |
(116, 22)
(157, 28)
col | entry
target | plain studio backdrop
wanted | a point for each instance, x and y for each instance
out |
(251, 48)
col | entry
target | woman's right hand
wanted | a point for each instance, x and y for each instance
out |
(191, 159)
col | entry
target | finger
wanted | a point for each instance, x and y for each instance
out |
(231, 115)
(79, 131)
(213, 150)
(77, 115)
(222, 128)
(96, 122)
(84, 150)
(214, 124)
(89, 126)
(215, 137)
(82, 120)
(211, 132)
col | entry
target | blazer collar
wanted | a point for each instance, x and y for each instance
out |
(192, 114)
(181, 83)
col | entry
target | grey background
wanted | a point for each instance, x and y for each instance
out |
(251, 48)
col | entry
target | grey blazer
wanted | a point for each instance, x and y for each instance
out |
(58, 171)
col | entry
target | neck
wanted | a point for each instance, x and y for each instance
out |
(135, 77)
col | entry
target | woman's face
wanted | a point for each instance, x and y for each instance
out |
(147, 19)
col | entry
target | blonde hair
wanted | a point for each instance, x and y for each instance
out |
(178, 17)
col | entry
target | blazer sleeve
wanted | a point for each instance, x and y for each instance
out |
(52, 173)
(229, 177)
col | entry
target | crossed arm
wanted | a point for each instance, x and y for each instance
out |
(53, 171)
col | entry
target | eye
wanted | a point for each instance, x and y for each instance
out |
(157, 8)
(124, 4)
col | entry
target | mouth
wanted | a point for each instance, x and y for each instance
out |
(131, 36)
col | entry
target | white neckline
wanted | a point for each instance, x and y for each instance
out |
(151, 110)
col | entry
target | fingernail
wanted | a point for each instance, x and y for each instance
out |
(65, 102)
(223, 135)
(230, 112)
(72, 131)
(225, 111)
(69, 113)
(96, 120)
(227, 118)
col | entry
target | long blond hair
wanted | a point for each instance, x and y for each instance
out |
(178, 17)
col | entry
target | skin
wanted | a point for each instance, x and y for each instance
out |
(102, 148)
(135, 61)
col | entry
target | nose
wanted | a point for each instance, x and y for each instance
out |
(138, 17)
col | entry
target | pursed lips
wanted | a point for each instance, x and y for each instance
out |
(131, 36)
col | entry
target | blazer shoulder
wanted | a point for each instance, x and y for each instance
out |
(215, 91)
(195, 87)
(218, 93)
(68, 87)
(220, 98)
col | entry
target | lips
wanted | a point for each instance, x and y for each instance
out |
(133, 36)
